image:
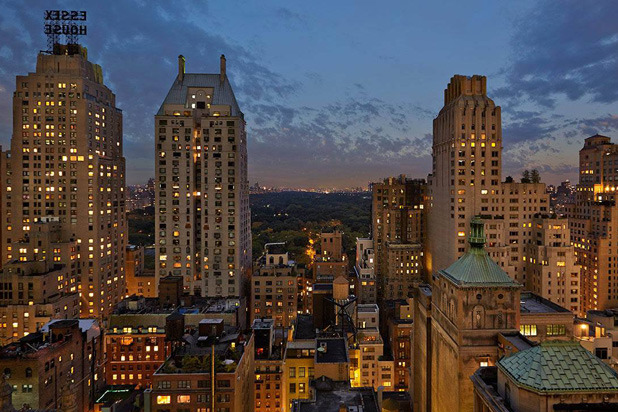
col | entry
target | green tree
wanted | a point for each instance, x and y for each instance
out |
(535, 177)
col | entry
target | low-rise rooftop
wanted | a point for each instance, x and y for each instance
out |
(533, 303)
(367, 308)
(331, 350)
(194, 355)
(331, 396)
(556, 366)
(305, 328)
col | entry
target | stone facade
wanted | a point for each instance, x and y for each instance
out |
(65, 111)
(202, 192)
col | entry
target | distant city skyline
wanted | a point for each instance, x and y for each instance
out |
(343, 98)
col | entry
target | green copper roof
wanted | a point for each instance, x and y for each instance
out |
(559, 367)
(475, 267)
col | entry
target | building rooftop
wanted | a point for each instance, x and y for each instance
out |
(485, 381)
(116, 395)
(222, 93)
(276, 248)
(333, 350)
(532, 303)
(196, 350)
(88, 326)
(305, 328)
(475, 268)
(211, 321)
(556, 366)
(263, 323)
(38, 343)
(323, 287)
(331, 395)
(367, 308)
(189, 305)
(395, 399)
(517, 340)
(607, 313)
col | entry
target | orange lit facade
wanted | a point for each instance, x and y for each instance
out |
(40, 284)
(269, 389)
(593, 219)
(66, 163)
(178, 390)
(134, 354)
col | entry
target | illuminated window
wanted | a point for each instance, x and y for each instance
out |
(528, 330)
(164, 399)
(183, 399)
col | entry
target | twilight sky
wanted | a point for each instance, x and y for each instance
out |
(340, 93)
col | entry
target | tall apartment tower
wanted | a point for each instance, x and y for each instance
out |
(467, 146)
(399, 231)
(66, 165)
(202, 195)
(593, 221)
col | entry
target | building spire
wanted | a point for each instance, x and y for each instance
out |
(477, 233)
(181, 68)
(222, 69)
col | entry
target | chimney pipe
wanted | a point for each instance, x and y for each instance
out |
(222, 71)
(181, 67)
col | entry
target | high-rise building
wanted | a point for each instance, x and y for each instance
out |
(466, 181)
(467, 146)
(66, 164)
(202, 193)
(593, 218)
(399, 230)
(551, 269)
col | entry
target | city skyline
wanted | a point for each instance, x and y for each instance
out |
(466, 289)
(365, 128)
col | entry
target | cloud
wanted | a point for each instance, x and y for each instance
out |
(564, 49)
(602, 124)
(348, 141)
(136, 43)
(289, 16)
(527, 126)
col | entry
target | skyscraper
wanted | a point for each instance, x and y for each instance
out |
(466, 181)
(399, 233)
(593, 218)
(467, 146)
(66, 165)
(202, 196)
